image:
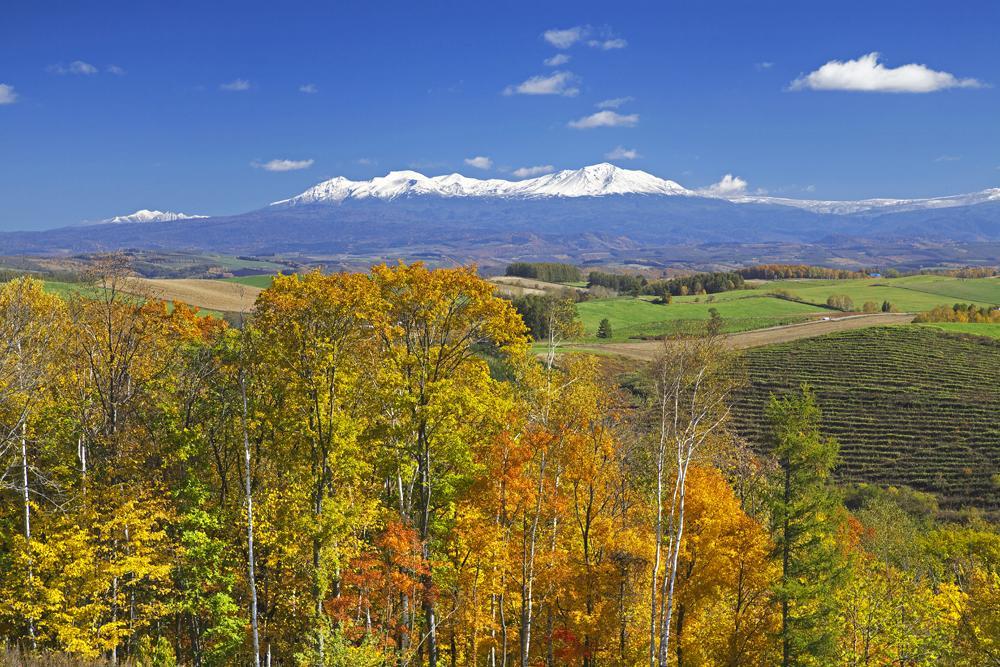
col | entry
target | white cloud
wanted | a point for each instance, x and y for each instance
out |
(605, 119)
(613, 103)
(608, 44)
(763, 66)
(729, 186)
(565, 38)
(527, 172)
(479, 162)
(947, 158)
(557, 60)
(116, 70)
(557, 83)
(283, 165)
(308, 88)
(867, 74)
(7, 94)
(75, 67)
(366, 161)
(236, 85)
(622, 153)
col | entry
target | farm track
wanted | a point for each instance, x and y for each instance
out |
(647, 350)
(211, 294)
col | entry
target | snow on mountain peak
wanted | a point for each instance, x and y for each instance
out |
(593, 181)
(146, 215)
(596, 180)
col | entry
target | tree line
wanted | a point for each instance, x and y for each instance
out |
(551, 272)
(962, 312)
(787, 271)
(374, 469)
(698, 283)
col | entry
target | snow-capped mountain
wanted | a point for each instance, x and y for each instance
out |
(146, 215)
(600, 211)
(875, 205)
(593, 181)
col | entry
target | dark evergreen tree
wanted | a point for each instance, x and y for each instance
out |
(604, 329)
(805, 516)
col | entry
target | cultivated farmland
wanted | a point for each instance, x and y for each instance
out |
(910, 406)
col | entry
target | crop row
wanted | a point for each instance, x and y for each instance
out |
(909, 406)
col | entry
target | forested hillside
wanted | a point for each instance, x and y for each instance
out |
(375, 470)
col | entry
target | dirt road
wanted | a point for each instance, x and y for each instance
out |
(648, 349)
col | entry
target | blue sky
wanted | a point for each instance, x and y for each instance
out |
(107, 107)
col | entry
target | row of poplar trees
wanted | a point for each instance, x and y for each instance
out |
(376, 469)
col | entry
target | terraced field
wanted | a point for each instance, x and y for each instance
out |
(910, 406)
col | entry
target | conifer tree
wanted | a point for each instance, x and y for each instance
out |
(805, 519)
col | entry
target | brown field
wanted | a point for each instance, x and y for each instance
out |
(210, 294)
(517, 286)
(647, 350)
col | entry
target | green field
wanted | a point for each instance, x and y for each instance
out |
(910, 406)
(909, 294)
(748, 309)
(262, 282)
(989, 330)
(636, 317)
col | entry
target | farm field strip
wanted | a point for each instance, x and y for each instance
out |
(216, 295)
(910, 405)
(647, 350)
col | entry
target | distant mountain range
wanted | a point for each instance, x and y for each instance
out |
(588, 214)
(146, 215)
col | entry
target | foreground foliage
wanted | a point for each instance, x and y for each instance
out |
(374, 471)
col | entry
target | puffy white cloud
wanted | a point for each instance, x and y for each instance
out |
(729, 186)
(613, 103)
(557, 60)
(527, 172)
(605, 119)
(608, 44)
(283, 165)
(622, 153)
(567, 37)
(479, 162)
(7, 94)
(308, 88)
(867, 74)
(75, 67)
(557, 83)
(236, 85)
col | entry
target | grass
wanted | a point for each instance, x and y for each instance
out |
(637, 317)
(262, 282)
(749, 309)
(988, 330)
(910, 405)
(909, 294)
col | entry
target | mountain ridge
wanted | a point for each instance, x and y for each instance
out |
(597, 180)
